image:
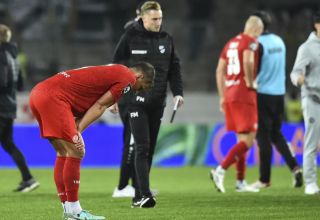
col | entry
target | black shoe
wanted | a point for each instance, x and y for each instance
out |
(144, 202)
(27, 186)
(297, 178)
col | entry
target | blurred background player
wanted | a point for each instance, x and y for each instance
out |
(130, 23)
(83, 94)
(306, 74)
(236, 72)
(270, 93)
(147, 42)
(10, 81)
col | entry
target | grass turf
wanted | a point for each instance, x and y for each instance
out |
(185, 193)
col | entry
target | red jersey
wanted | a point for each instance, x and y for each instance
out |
(235, 86)
(82, 87)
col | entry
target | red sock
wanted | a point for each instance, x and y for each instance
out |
(234, 154)
(58, 178)
(241, 167)
(71, 178)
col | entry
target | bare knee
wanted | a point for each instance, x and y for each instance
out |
(247, 138)
(77, 152)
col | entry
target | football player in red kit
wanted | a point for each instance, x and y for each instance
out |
(236, 72)
(66, 104)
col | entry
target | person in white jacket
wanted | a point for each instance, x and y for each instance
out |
(306, 74)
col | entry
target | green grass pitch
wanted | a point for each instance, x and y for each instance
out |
(185, 193)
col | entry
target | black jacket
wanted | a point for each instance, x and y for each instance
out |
(10, 78)
(136, 45)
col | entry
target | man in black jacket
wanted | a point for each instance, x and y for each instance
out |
(142, 112)
(10, 81)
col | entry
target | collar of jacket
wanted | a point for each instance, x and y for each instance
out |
(141, 28)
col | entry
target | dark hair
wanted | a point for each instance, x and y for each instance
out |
(316, 17)
(265, 17)
(145, 68)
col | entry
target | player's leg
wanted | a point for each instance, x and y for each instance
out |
(241, 118)
(67, 173)
(74, 153)
(263, 138)
(58, 172)
(280, 142)
(244, 123)
(311, 112)
(139, 122)
(28, 183)
(240, 172)
(127, 164)
(155, 116)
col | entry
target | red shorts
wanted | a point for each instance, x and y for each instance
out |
(53, 115)
(241, 117)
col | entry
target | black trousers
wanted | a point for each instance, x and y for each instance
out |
(270, 113)
(145, 124)
(127, 170)
(6, 140)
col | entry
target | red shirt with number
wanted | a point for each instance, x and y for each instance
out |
(240, 102)
(236, 89)
(58, 100)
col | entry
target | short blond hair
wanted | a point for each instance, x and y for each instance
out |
(150, 5)
(5, 33)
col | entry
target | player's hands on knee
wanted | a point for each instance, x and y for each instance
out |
(114, 108)
(79, 145)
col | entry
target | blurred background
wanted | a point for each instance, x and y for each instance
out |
(62, 34)
(55, 35)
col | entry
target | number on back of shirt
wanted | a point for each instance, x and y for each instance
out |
(233, 60)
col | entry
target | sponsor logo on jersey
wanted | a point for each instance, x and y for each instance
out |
(134, 115)
(162, 49)
(139, 51)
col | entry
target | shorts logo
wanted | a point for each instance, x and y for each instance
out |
(134, 115)
(75, 139)
(162, 49)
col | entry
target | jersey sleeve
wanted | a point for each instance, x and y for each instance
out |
(123, 85)
(252, 45)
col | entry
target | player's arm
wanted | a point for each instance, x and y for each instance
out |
(220, 76)
(4, 73)
(175, 78)
(95, 111)
(300, 65)
(248, 67)
(122, 52)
